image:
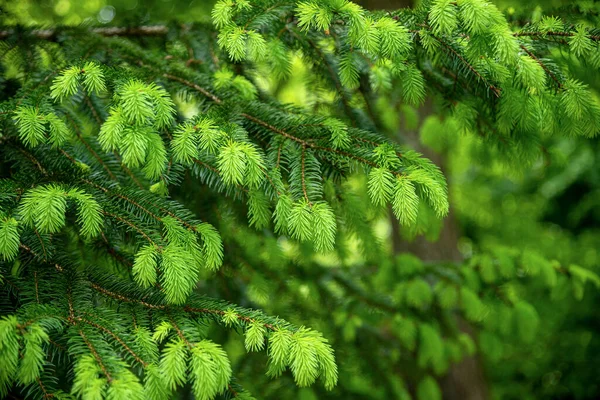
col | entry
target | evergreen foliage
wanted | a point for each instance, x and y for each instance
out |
(137, 186)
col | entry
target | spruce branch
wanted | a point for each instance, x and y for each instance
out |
(187, 308)
(94, 353)
(114, 336)
(303, 175)
(50, 34)
(450, 50)
(162, 30)
(132, 226)
(89, 148)
(550, 73)
(538, 34)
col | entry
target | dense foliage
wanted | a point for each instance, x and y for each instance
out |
(168, 191)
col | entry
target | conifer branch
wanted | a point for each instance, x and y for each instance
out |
(12, 284)
(471, 68)
(306, 143)
(332, 74)
(113, 252)
(93, 109)
(550, 73)
(194, 86)
(162, 30)
(303, 175)
(37, 290)
(47, 395)
(96, 355)
(121, 196)
(58, 346)
(128, 172)
(264, 171)
(125, 299)
(276, 130)
(132, 226)
(149, 30)
(37, 234)
(221, 313)
(114, 336)
(186, 308)
(33, 160)
(141, 207)
(538, 34)
(180, 333)
(90, 149)
(29, 250)
(68, 156)
(217, 172)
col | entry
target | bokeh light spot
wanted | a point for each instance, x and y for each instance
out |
(92, 6)
(62, 7)
(106, 14)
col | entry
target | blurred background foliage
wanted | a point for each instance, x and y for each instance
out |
(549, 205)
(74, 12)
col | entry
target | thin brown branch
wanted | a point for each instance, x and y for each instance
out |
(96, 356)
(37, 234)
(69, 157)
(449, 48)
(219, 312)
(37, 291)
(132, 225)
(233, 392)
(31, 158)
(186, 308)
(58, 346)
(58, 267)
(90, 149)
(115, 336)
(194, 86)
(94, 111)
(114, 253)
(207, 166)
(43, 388)
(279, 154)
(180, 333)
(27, 249)
(550, 73)
(551, 33)
(123, 197)
(151, 30)
(276, 130)
(128, 171)
(303, 156)
(120, 297)
(271, 181)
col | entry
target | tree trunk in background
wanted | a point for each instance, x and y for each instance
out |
(465, 380)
